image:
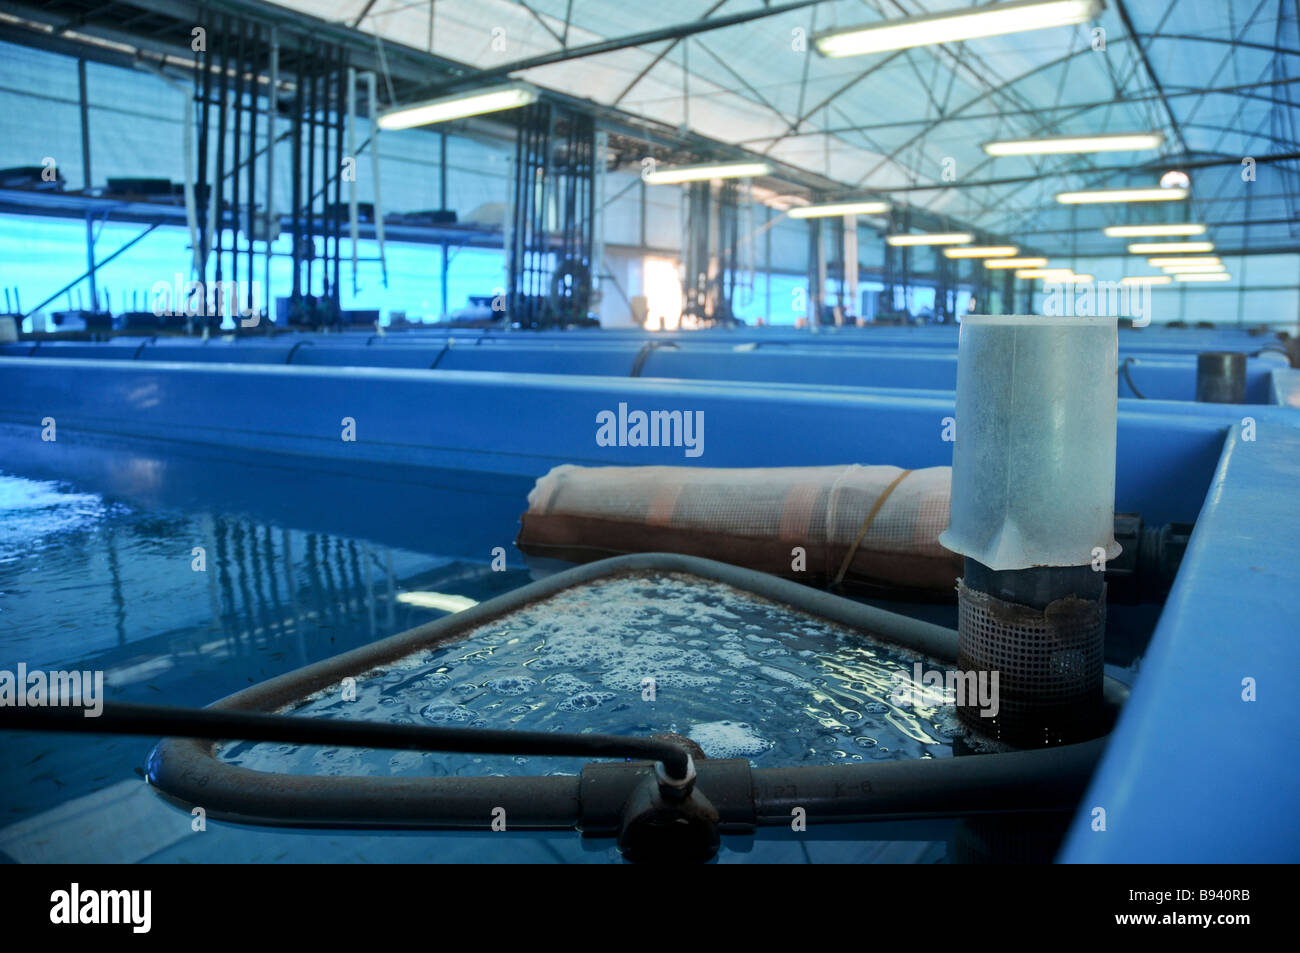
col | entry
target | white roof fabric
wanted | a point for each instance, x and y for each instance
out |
(886, 121)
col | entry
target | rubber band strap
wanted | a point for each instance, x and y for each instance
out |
(866, 525)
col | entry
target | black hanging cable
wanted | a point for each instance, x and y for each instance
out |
(1129, 378)
(128, 718)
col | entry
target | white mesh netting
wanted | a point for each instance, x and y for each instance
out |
(753, 517)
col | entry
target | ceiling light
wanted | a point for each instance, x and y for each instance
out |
(701, 173)
(1152, 231)
(1187, 260)
(1155, 248)
(951, 27)
(1123, 142)
(981, 251)
(1216, 276)
(1050, 274)
(938, 238)
(839, 208)
(1191, 269)
(1015, 263)
(1146, 280)
(1121, 195)
(492, 99)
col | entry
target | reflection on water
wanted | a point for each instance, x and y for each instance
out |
(87, 581)
(186, 573)
(637, 654)
(184, 606)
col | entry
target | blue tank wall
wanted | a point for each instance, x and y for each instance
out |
(1193, 770)
(1155, 376)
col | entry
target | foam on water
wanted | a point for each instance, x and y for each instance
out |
(729, 739)
(637, 654)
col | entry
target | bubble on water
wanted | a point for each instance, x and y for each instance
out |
(631, 680)
(729, 739)
(585, 701)
(512, 684)
(594, 645)
(946, 731)
(443, 714)
(565, 684)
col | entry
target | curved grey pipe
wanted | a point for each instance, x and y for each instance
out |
(189, 773)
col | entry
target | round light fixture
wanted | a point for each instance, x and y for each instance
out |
(1174, 179)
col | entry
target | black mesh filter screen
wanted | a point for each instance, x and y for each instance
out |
(1049, 666)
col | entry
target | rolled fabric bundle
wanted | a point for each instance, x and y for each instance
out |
(877, 525)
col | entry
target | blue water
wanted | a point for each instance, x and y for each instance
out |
(636, 654)
(300, 562)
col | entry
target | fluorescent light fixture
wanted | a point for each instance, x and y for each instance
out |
(700, 173)
(1050, 274)
(1152, 231)
(839, 208)
(436, 600)
(1215, 276)
(490, 100)
(981, 251)
(1187, 260)
(1191, 269)
(1155, 248)
(953, 26)
(1078, 280)
(1123, 142)
(1015, 263)
(938, 238)
(1120, 195)
(1146, 280)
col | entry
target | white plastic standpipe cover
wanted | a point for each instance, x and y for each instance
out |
(1033, 479)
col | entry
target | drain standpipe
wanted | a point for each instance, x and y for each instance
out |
(1033, 512)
